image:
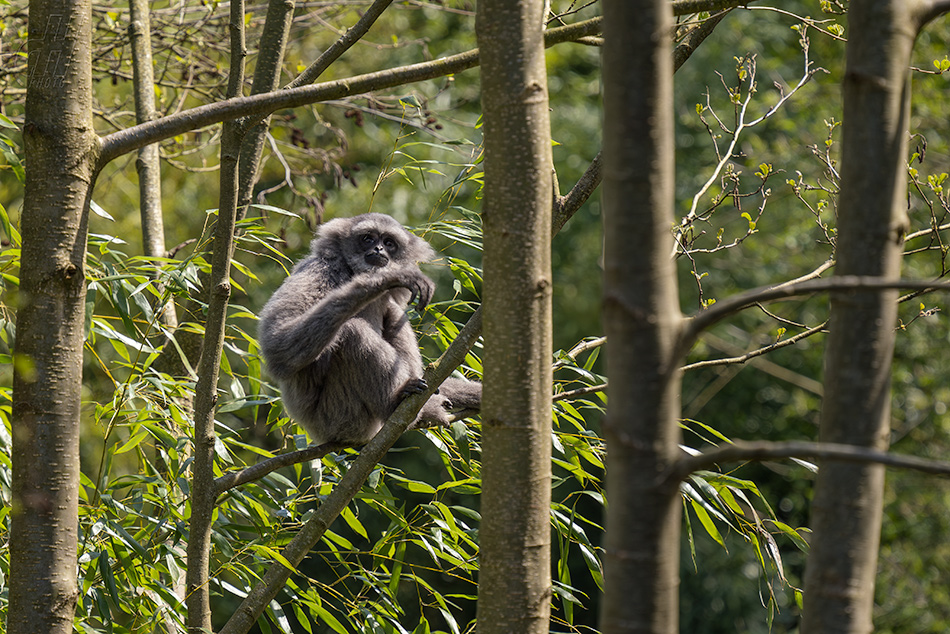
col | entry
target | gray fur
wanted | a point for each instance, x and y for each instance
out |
(336, 338)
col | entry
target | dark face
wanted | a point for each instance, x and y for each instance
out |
(372, 247)
(378, 248)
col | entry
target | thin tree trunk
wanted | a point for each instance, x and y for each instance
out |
(270, 56)
(60, 148)
(203, 492)
(848, 502)
(515, 534)
(147, 163)
(642, 321)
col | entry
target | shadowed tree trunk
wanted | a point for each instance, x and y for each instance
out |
(515, 535)
(642, 321)
(848, 503)
(60, 148)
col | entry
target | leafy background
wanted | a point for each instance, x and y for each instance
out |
(404, 558)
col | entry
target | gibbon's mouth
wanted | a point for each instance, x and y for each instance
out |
(377, 259)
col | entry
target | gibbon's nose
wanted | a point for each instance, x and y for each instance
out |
(377, 258)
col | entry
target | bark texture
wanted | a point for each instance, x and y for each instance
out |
(515, 534)
(642, 322)
(60, 148)
(203, 492)
(847, 507)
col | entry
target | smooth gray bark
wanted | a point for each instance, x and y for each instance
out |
(515, 535)
(848, 501)
(642, 321)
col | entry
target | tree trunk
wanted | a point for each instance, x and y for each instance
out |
(60, 148)
(270, 56)
(148, 164)
(203, 493)
(847, 508)
(642, 321)
(515, 534)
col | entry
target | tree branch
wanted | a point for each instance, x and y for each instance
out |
(722, 309)
(694, 37)
(198, 597)
(744, 451)
(581, 391)
(758, 352)
(566, 206)
(928, 10)
(261, 105)
(686, 7)
(256, 472)
(343, 44)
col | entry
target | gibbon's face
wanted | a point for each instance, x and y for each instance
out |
(378, 248)
(373, 246)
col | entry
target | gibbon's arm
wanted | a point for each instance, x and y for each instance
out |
(297, 325)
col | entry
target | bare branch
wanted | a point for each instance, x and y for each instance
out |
(758, 352)
(351, 37)
(718, 311)
(119, 143)
(581, 391)
(744, 451)
(256, 472)
(566, 206)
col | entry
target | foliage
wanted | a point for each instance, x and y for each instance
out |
(404, 559)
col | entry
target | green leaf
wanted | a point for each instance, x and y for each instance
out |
(707, 523)
(105, 569)
(274, 555)
(133, 442)
(350, 518)
(329, 619)
(422, 628)
(412, 485)
(792, 534)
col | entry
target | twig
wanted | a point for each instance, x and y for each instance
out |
(581, 391)
(343, 44)
(257, 471)
(756, 353)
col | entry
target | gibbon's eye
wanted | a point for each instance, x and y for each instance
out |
(390, 244)
(367, 238)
